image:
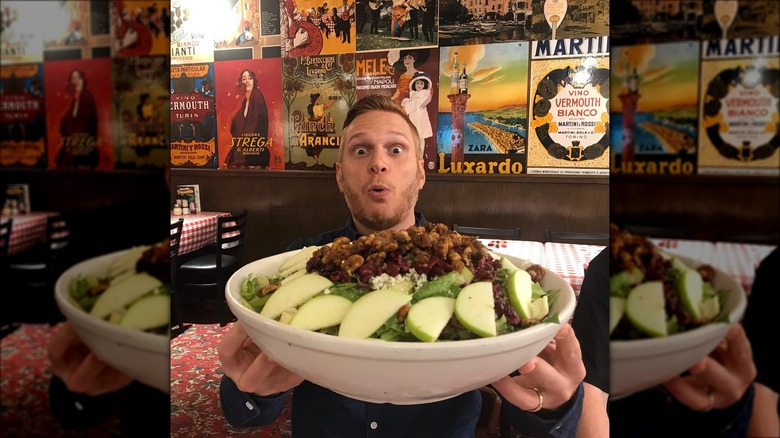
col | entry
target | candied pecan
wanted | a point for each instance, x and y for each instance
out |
(352, 263)
(536, 271)
(403, 311)
(268, 289)
(707, 273)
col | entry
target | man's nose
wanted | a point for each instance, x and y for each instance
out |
(378, 163)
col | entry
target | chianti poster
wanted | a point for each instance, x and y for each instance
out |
(739, 130)
(482, 117)
(317, 92)
(409, 77)
(79, 114)
(192, 39)
(21, 40)
(193, 116)
(569, 128)
(22, 116)
(250, 115)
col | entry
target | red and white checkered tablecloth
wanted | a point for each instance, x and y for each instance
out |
(27, 230)
(524, 249)
(199, 230)
(570, 260)
(740, 260)
(700, 250)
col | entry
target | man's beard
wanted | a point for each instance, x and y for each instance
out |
(376, 220)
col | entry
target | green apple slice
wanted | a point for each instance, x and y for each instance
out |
(474, 309)
(539, 308)
(617, 307)
(691, 287)
(301, 256)
(428, 317)
(519, 288)
(320, 312)
(710, 308)
(294, 293)
(369, 312)
(645, 308)
(679, 265)
(126, 262)
(121, 293)
(147, 313)
(506, 264)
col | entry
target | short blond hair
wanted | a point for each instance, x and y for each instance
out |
(377, 102)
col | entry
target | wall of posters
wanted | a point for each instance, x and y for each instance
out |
(193, 116)
(22, 116)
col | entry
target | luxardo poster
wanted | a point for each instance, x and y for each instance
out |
(79, 114)
(250, 114)
(740, 119)
(193, 116)
(483, 103)
(317, 92)
(409, 77)
(655, 111)
(22, 116)
(569, 128)
(141, 95)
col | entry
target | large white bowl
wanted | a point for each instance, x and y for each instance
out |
(394, 372)
(142, 356)
(639, 364)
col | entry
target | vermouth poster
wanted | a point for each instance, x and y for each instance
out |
(79, 114)
(193, 116)
(569, 126)
(740, 120)
(250, 131)
(483, 109)
(141, 95)
(22, 116)
(317, 92)
(654, 112)
(192, 25)
(409, 78)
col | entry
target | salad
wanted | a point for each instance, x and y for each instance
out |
(654, 294)
(424, 283)
(133, 293)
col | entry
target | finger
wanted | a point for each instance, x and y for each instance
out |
(265, 377)
(728, 385)
(693, 396)
(556, 386)
(528, 366)
(232, 343)
(95, 377)
(738, 354)
(567, 356)
(66, 352)
(524, 398)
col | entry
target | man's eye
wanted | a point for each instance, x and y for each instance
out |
(396, 150)
(361, 150)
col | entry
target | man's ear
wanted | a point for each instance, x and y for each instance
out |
(422, 173)
(338, 176)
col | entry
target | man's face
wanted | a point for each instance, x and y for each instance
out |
(380, 173)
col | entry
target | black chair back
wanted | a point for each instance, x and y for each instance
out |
(576, 237)
(488, 233)
(230, 238)
(5, 236)
(176, 228)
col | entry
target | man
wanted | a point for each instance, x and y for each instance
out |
(380, 172)
(344, 16)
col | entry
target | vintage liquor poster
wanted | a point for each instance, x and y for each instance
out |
(483, 103)
(655, 111)
(724, 19)
(22, 116)
(317, 92)
(143, 122)
(245, 29)
(140, 27)
(20, 38)
(250, 118)
(648, 22)
(314, 27)
(394, 24)
(739, 129)
(410, 78)
(569, 129)
(79, 114)
(74, 29)
(193, 116)
(192, 39)
(559, 19)
(479, 22)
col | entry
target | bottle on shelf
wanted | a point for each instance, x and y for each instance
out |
(454, 76)
(463, 81)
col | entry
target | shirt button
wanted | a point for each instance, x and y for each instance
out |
(374, 425)
(249, 406)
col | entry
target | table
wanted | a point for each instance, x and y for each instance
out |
(27, 230)
(524, 249)
(570, 260)
(740, 260)
(199, 230)
(701, 250)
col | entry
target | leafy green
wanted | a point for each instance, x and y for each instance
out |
(351, 291)
(447, 285)
(249, 287)
(621, 283)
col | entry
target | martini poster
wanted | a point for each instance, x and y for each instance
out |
(482, 124)
(79, 114)
(740, 119)
(22, 116)
(410, 78)
(654, 114)
(193, 116)
(250, 130)
(317, 92)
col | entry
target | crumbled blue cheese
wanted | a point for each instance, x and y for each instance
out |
(385, 280)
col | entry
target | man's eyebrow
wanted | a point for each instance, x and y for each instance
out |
(360, 135)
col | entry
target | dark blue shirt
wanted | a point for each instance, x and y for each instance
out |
(319, 412)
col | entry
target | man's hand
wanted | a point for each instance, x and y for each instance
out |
(720, 379)
(251, 369)
(80, 369)
(556, 372)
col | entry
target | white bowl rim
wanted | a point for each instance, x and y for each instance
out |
(141, 340)
(645, 347)
(390, 350)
